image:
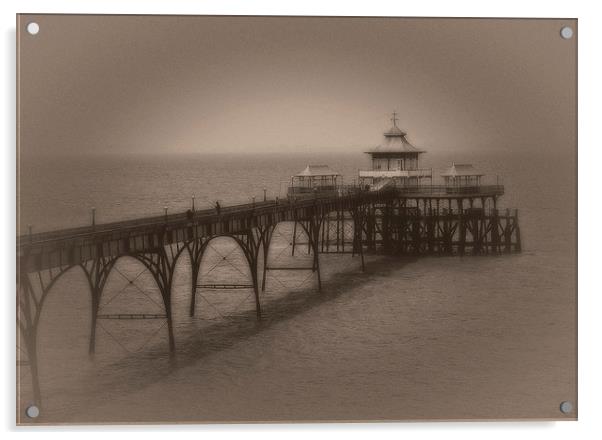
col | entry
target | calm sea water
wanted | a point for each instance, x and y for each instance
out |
(435, 337)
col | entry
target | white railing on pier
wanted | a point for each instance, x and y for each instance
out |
(418, 172)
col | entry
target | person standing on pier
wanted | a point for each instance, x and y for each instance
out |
(218, 208)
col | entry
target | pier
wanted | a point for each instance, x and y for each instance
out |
(417, 221)
(394, 209)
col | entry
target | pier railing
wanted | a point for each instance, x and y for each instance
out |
(407, 191)
(467, 212)
(351, 192)
(451, 190)
(293, 190)
(415, 172)
(141, 222)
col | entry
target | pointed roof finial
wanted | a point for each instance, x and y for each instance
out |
(394, 119)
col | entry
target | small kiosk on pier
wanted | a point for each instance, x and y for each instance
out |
(462, 178)
(314, 179)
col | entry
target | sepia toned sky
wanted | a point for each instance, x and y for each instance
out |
(130, 84)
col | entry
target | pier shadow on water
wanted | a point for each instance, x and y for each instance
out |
(135, 371)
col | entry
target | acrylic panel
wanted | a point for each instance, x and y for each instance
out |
(295, 219)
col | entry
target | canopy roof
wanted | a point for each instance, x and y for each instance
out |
(395, 142)
(461, 169)
(317, 170)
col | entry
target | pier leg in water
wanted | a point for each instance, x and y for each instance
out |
(30, 302)
(266, 240)
(257, 237)
(339, 230)
(93, 323)
(518, 245)
(164, 280)
(358, 246)
(265, 269)
(256, 289)
(196, 249)
(172, 342)
(28, 313)
(162, 269)
(195, 253)
(430, 232)
(314, 229)
(462, 228)
(416, 238)
(294, 238)
(507, 233)
(495, 232)
(309, 241)
(97, 272)
(194, 280)
(166, 295)
(32, 357)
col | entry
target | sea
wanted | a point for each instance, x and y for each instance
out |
(428, 338)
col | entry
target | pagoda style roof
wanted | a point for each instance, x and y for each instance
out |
(395, 141)
(461, 169)
(317, 170)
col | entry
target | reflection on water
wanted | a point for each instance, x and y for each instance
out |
(437, 337)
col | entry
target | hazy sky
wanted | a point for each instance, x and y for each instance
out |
(239, 84)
